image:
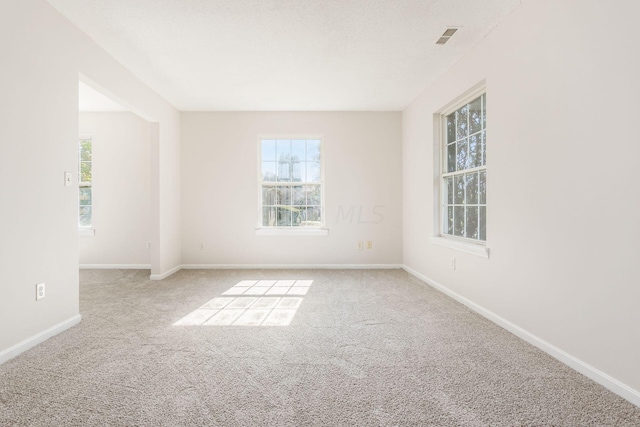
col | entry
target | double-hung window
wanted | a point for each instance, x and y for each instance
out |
(290, 183)
(85, 199)
(464, 171)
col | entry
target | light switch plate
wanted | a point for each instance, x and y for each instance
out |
(67, 179)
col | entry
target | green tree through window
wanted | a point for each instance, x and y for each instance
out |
(85, 166)
(464, 180)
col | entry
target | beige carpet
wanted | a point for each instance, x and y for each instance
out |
(355, 348)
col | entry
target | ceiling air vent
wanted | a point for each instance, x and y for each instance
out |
(447, 35)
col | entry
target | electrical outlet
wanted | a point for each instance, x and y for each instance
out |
(369, 244)
(360, 245)
(148, 245)
(453, 263)
(39, 291)
(67, 179)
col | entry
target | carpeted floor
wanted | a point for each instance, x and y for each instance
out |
(364, 348)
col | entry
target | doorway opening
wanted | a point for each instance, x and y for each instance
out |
(114, 183)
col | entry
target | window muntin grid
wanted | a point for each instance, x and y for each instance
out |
(85, 177)
(291, 183)
(464, 179)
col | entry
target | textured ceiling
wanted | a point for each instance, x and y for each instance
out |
(285, 54)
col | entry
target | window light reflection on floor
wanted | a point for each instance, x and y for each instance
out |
(251, 303)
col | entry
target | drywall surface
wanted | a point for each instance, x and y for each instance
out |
(121, 189)
(362, 184)
(43, 56)
(563, 203)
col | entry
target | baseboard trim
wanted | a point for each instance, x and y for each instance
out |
(587, 370)
(25, 345)
(116, 266)
(275, 267)
(166, 273)
(291, 266)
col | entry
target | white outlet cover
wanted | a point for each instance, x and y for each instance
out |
(40, 291)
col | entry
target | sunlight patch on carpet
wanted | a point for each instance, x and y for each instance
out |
(251, 303)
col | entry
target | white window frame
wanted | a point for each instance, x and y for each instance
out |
(319, 230)
(472, 246)
(87, 230)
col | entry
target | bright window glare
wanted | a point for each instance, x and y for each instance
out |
(251, 303)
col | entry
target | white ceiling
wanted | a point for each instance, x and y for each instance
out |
(292, 55)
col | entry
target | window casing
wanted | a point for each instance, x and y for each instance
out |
(463, 174)
(85, 172)
(290, 183)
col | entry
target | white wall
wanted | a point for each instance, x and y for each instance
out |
(563, 106)
(362, 155)
(121, 190)
(42, 57)
(563, 203)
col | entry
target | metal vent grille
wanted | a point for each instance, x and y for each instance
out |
(449, 32)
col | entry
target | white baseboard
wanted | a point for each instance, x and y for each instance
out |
(587, 370)
(290, 266)
(116, 266)
(166, 273)
(273, 267)
(25, 345)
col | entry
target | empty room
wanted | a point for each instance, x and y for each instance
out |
(319, 213)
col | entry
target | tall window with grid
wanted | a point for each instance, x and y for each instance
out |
(291, 183)
(85, 199)
(464, 175)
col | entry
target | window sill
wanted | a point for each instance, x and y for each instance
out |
(86, 232)
(470, 248)
(292, 231)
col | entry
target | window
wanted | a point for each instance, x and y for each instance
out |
(464, 171)
(291, 183)
(85, 202)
